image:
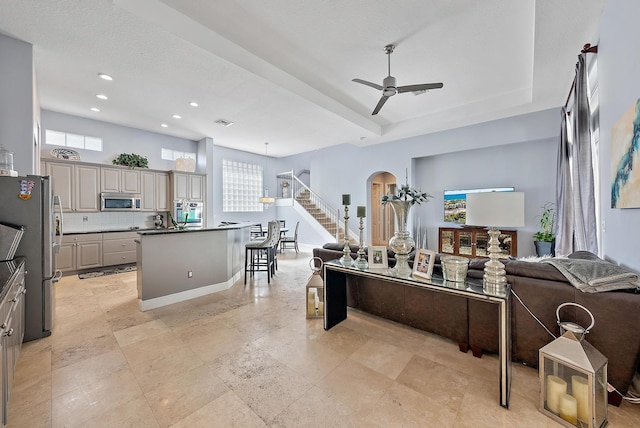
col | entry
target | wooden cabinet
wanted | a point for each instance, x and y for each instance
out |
(118, 248)
(78, 185)
(189, 186)
(473, 242)
(12, 318)
(81, 251)
(120, 179)
(87, 186)
(155, 189)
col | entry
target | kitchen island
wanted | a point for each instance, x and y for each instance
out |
(176, 265)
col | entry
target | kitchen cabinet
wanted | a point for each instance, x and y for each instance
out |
(78, 185)
(81, 251)
(118, 248)
(119, 179)
(12, 312)
(473, 242)
(155, 189)
(189, 186)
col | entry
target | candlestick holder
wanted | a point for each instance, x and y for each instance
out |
(361, 261)
(346, 259)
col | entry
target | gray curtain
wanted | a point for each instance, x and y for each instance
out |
(576, 208)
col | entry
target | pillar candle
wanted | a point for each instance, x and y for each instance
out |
(361, 211)
(555, 388)
(321, 308)
(569, 409)
(580, 390)
(346, 199)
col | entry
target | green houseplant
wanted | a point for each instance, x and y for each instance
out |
(544, 239)
(131, 160)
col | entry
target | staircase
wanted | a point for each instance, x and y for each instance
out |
(322, 212)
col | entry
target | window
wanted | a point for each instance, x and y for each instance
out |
(170, 154)
(57, 138)
(241, 186)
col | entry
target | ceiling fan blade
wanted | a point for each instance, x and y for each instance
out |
(422, 87)
(380, 104)
(364, 82)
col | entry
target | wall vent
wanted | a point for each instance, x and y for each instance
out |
(224, 122)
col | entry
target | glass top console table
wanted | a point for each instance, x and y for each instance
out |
(335, 305)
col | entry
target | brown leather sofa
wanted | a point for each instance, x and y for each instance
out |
(541, 287)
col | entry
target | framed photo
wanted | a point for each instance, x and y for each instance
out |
(423, 263)
(378, 258)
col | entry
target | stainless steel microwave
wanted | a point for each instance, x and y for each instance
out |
(119, 202)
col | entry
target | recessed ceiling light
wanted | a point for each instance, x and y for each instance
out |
(95, 109)
(164, 125)
(177, 116)
(105, 76)
(194, 104)
(102, 96)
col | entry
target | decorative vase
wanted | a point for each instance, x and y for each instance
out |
(401, 243)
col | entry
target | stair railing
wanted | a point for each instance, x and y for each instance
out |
(296, 188)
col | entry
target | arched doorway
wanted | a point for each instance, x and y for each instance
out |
(382, 223)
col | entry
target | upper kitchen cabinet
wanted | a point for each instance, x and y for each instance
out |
(187, 186)
(78, 185)
(119, 179)
(155, 191)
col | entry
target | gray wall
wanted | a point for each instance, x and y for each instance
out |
(116, 139)
(17, 120)
(619, 88)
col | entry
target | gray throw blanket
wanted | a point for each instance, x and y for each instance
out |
(592, 276)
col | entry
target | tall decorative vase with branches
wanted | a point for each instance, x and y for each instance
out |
(401, 242)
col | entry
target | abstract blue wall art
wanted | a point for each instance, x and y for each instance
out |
(625, 180)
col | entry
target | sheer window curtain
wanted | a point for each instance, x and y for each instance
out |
(577, 223)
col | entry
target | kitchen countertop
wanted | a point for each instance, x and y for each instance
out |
(84, 232)
(7, 269)
(222, 226)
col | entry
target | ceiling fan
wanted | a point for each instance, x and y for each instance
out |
(389, 87)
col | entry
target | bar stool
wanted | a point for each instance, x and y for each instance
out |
(260, 255)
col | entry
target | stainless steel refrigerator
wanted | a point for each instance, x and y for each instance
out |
(28, 201)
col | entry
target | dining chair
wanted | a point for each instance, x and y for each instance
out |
(256, 231)
(284, 240)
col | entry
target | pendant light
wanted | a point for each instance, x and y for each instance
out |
(266, 200)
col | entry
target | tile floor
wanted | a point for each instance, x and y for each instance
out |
(247, 357)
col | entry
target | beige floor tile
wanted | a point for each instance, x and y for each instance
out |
(85, 404)
(403, 407)
(153, 373)
(356, 386)
(264, 383)
(316, 409)
(382, 357)
(35, 415)
(86, 372)
(140, 332)
(152, 348)
(135, 413)
(436, 381)
(225, 411)
(85, 345)
(180, 396)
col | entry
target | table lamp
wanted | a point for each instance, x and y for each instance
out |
(495, 209)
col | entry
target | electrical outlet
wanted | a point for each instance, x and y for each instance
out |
(189, 274)
(85, 218)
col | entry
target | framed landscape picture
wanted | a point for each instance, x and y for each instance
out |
(378, 258)
(423, 263)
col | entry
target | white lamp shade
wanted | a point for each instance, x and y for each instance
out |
(499, 209)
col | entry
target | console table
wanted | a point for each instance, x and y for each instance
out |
(335, 307)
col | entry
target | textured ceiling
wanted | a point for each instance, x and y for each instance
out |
(282, 69)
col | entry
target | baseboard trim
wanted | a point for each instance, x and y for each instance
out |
(158, 302)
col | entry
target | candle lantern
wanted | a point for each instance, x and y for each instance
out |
(573, 379)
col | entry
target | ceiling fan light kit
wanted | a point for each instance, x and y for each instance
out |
(389, 87)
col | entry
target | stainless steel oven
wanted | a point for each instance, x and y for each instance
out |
(120, 202)
(188, 213)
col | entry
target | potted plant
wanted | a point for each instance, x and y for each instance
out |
(131, 160)
(545, 239)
